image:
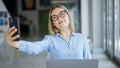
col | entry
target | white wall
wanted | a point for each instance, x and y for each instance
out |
(84, 17)
(97, 23)
(91, 21)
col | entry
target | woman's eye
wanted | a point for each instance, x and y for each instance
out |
(54, 18)
(62, 14)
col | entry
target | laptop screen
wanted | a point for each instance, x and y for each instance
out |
(72, 63)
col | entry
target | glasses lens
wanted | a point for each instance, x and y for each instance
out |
(54, 18)
(62, 14)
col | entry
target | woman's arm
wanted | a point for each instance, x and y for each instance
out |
(33, 48)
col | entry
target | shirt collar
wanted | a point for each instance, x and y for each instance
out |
(73, 34)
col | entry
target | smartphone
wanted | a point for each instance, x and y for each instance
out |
(14, 21)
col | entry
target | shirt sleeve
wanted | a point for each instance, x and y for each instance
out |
(86, 50)
(33, 48)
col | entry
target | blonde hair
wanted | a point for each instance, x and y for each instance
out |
(53, 30)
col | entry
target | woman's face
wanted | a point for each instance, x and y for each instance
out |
(60, 18)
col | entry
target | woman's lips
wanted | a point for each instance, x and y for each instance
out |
(61, 22)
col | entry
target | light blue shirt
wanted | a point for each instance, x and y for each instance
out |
(58, 47)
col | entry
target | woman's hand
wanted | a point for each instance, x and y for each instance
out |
(11, 39)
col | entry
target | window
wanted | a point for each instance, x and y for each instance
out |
(117, 28)
(110, 27)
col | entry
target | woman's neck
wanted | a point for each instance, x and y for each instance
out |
(66, 33)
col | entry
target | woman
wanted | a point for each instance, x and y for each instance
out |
(62, 43)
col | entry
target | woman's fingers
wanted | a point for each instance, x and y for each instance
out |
(15, 37)
(12, 32)
(9, 34)
(11, 39)
(10, 29)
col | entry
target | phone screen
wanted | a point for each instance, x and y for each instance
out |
(14, 21)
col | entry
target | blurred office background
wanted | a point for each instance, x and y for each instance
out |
(98, 20)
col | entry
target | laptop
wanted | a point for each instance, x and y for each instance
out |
(72, 63)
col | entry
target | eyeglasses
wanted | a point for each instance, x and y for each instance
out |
(61, 14)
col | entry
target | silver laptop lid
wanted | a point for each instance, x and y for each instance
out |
(72, 63)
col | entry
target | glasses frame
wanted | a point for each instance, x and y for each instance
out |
(59, 15)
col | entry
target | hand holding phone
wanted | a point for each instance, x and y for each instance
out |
(14, 21)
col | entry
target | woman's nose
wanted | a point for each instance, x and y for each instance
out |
(59, 18)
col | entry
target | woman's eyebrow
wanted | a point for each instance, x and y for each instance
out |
(58, 13)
